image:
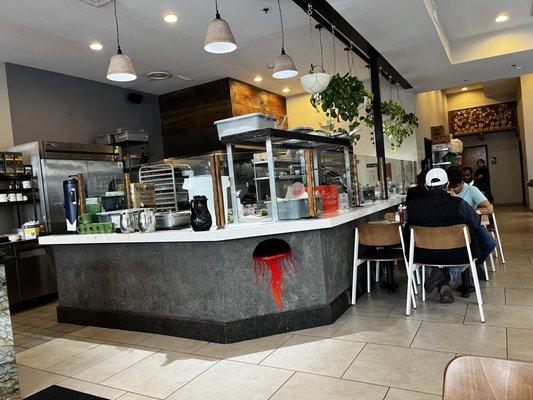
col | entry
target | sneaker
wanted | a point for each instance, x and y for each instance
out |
(445, 294)
(433, 280)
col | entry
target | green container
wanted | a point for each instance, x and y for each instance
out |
(84, 219)
(93, 208)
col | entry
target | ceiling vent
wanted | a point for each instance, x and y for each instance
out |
(164, 75)
(96, 3)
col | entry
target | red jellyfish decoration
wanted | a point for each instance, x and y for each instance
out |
(276, 256)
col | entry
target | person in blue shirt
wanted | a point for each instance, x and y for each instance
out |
(477, 200)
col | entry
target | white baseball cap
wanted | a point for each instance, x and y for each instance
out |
(436, 177)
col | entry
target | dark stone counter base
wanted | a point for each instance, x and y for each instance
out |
(219, 332)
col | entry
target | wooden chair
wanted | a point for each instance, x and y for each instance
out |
(384, 240)
(440, 238)
(473, 378)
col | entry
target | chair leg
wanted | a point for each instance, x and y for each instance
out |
(417, 273)
(413, 292)
(415, 288)
(485, 270)
(500, 245)
(354, 283)
(410, 297)
(423, 282)
(496, 249)
(377, 272)
(478, 291)
(368, 276)
(493, 267)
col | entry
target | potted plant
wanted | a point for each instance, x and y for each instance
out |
(341, 101)
(397, 124)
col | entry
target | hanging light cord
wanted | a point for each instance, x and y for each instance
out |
(282, 31)
(321, 50)
(216, 8)
(116, 25)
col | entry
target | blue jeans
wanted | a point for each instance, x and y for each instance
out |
(487, 244)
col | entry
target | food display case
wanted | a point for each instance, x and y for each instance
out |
(279, 175)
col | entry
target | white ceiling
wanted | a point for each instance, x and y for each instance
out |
(466, 44)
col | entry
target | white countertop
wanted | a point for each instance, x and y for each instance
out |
(231, 232)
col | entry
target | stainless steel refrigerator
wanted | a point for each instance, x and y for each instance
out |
(53, 162)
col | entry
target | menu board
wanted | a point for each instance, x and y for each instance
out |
(484, 119)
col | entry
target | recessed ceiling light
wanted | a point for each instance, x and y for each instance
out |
(286, 90)
(518, 67)
(170, 18)
(502, 17)
(96, 46)
(464, 89)
(258, 79)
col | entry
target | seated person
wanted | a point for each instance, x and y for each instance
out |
(438, 208)
(473, 196)
(468, 178)
(420, 189)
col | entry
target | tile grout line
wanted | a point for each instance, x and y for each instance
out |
(414, 337)
(182, 386)
(507, 341)
(351, 363)
(386, 393)
(277, 348)
(283, 384)
(466, 313)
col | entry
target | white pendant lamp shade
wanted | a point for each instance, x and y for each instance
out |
(315, 82)
(219, 38)
(121, 68)
(284, 67)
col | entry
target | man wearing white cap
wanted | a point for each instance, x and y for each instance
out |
(438, 208)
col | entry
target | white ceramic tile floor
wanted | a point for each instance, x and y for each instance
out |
(361, 356)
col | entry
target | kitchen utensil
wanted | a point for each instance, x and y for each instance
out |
(70, 194)
(146, 220)
(82, 229)
(200, 217)
(128, 222)
(12, 197)
(171, 219)
(26, 184)
(19, 196)
(3, 197)
(24, 198)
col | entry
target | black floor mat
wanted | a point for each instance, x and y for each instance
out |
(60, 393)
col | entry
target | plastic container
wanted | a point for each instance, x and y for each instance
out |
(244, 123)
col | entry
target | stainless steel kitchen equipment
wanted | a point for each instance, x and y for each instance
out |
(168, 181)
(171, 219)
(54, 162)
(147, 220)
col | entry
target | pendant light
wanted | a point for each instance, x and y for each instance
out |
(283, 65)
(219, 38)
(318, 79)
(120, 66)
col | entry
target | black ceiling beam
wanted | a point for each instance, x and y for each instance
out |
(325, 14)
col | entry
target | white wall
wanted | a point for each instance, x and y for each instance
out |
(505, 176)
(6, 130)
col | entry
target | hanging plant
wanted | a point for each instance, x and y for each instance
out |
(341, 100)
(397, 124)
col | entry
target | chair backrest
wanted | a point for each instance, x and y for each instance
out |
(379, 234)
(441, 237)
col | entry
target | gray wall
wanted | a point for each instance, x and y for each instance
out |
(50, 106)
(505, 177)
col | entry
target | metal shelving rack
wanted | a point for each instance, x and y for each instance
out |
(168, 180)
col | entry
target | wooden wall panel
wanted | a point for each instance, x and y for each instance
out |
(246, 99)
(187, 115)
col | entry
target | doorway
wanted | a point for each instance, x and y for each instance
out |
(501, 152)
